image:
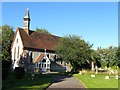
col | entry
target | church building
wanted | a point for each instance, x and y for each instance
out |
(33, 50)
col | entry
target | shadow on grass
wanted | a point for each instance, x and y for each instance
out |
(37, 82)
(40, 81)
(58, 77)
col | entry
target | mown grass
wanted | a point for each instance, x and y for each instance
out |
(98, 82)
(40, 82)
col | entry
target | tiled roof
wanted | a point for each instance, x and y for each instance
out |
(38, 40)
(39, 58)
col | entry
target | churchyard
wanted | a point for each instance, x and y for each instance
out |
(90, 80)
(103, 80)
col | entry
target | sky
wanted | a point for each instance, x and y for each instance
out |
(95, 22)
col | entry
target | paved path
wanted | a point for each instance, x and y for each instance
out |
(64, 82)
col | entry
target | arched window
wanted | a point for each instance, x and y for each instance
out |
(55, 58)
(17, 40)
(48, 65)
(14, 53)
(48, 55)
(18, 53)
(44, 60)
(40, 65)
(31, 59)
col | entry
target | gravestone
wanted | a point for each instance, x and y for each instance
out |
(96, 69)
(116, 76)
(93, 76)
(107, 77)
(80, 72)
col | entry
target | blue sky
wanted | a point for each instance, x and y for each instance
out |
(95, 22)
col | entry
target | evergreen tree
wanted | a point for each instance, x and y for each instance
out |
(7, 38)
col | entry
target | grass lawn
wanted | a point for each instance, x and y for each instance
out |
(40, 82)
(97, 82)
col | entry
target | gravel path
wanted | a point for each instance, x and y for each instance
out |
(64, 82)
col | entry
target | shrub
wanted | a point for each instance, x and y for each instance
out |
(5, 68)
(4, 73)
(6, 63)
(19, 72)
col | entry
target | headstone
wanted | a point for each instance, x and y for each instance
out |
(116, 72)
(84, 71)
(96, 69)
(80, 72)
(116, 76)
(33, 75)
(109, 70)
(112, 71)
(105, 68)
(93, 76)
(92, 64)
(107, 77)
(32, 78)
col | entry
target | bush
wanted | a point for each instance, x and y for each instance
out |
(4, 73)
(5, 68)
(19, 72)
(6, 64)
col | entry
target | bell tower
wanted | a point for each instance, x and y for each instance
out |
(26, 22)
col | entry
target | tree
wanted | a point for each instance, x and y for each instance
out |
(75, 50)
(7, 38)
(0, 43)
(95, 59)
(42, 31)
(118, 56)
(108, 56)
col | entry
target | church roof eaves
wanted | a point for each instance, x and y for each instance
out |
(38, 40)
